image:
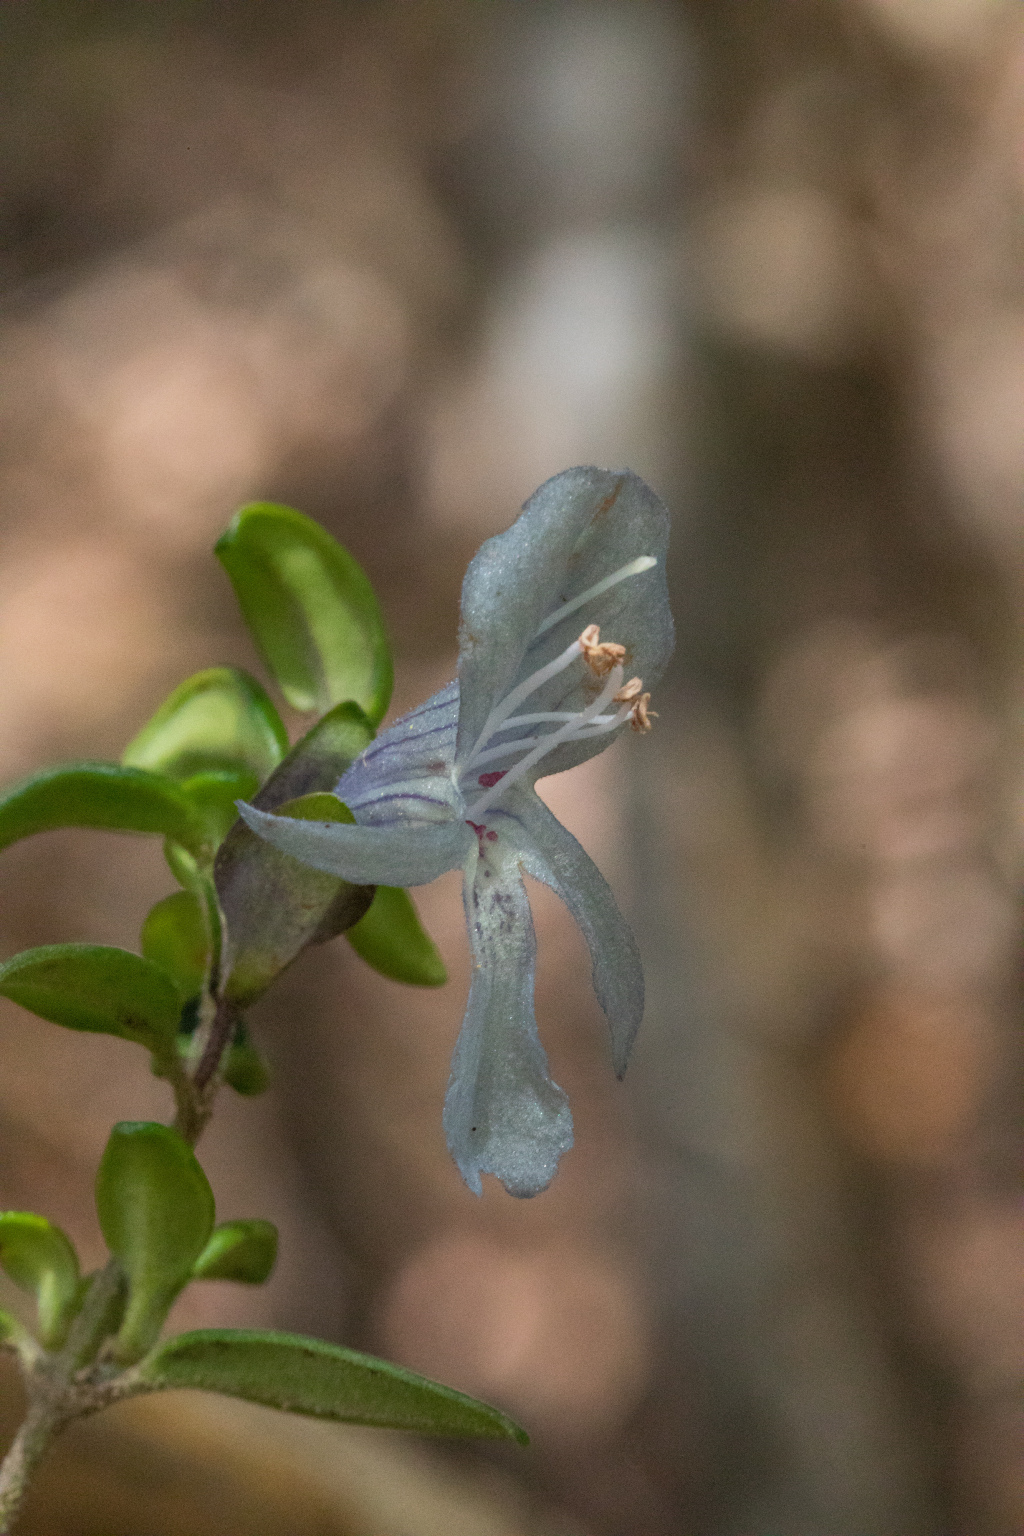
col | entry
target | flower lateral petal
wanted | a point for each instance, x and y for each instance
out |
(397, 855)
(551, 854)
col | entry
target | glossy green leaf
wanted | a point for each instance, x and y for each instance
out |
(308, 1376)
(156, 1213)
(311, 609)
(239, 1250)
(174, 937)
(97, 988)
(391, 939)
(40, 1258)
(220, 718)
(197, 879)
(214, 794)
(100, 795)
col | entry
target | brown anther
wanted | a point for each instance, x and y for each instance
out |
(641, 717)
(629, 691)
(600, 656)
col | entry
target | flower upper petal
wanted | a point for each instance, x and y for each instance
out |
(404, 854)
(575, 531)
(550, 853)
(406, 774)
(502, 1113)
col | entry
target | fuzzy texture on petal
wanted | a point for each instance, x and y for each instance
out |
(400, 855)
(575, 531)
(406, 774)
(551, 854)
(502, 1113)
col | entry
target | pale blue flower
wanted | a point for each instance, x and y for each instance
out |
(452, 785)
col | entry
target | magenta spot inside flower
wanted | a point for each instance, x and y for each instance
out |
(488, 780)
(492, 837)
(482, 832)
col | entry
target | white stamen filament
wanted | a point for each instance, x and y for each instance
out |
(597, 727)
(634, 568)
(502, 711)
(572, 726)
(554, 714)
(593, 727)
(570, 731)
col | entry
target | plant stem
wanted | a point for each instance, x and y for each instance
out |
(31, 1443)
(217, 1042)
(60, 1386)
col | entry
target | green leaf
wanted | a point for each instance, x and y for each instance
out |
(239, 1250)
(40, 1258)
(11, 1331)
(300, 1375)
(97, 988)
(174, 937)
(156, 1213)
(197, 879)
(99, 795)
(214, 792)
(245, 1070)
(220, 718)
(311, 609)
(390, 938)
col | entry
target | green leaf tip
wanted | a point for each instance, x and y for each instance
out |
(217, 719)
(311, 609)
(326, 1381)
(97, 988)
(156, 1214)
(103, 796)
(245, 1251)
(214, 794)
(40, 1259)
(391, 938)
(320, 806)
(245, 1069)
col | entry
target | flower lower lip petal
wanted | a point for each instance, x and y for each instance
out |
(502, 1113)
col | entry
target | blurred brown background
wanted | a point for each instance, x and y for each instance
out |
(395, 262)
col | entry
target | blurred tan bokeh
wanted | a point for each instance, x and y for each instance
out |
(395, 263)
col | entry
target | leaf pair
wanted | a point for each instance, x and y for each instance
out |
(156, 1212)
(217, 739)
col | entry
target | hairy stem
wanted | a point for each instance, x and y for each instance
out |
(31, 1443)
